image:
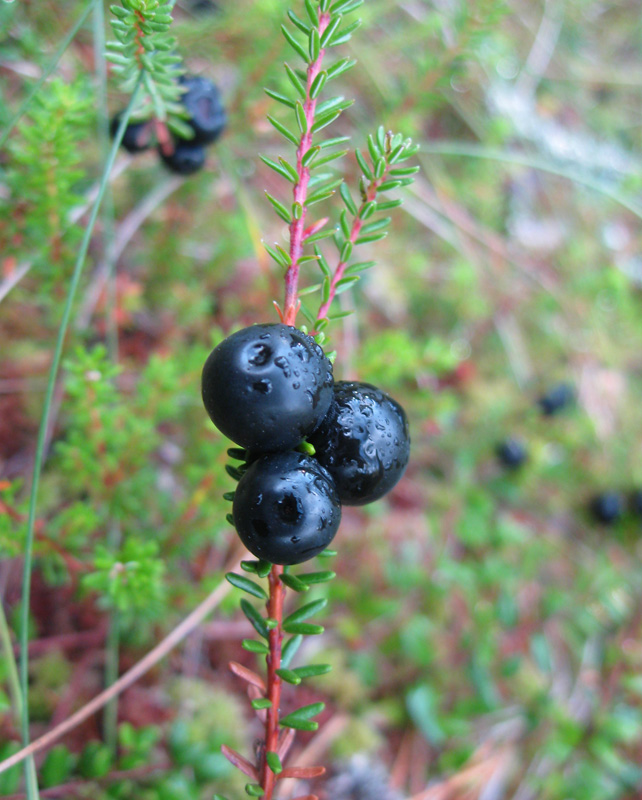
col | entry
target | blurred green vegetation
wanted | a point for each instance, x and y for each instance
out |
(483, 626)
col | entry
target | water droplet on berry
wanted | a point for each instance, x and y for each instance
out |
(263, 386)
(282, 364)
(261, 354)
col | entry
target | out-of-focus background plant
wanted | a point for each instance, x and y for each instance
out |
(484, 627)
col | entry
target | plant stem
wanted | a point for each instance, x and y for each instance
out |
(275, 641)
(110, 719)
(297, 226)
(13, 680)
(357, 224)
(42, 434)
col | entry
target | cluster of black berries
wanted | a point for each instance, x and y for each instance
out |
(512, 452)
(605, 507)
(268, 387)
(206, 118)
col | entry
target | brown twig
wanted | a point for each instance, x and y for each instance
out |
(131, 676)
(80, 787)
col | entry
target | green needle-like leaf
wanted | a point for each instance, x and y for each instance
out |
(246, 585)
(294, 175)
(289, 650)
(318, 84)
(280, 98)
(289, 676)
(306, 611)
(340, 67)
(377, 225)
(312, 670)
(363, 164)
(323, 576)
(329, 32)
(291, 137)
(347, 198)
(252, 646)
(295, 81)
(302, 715)
(304, 628)
(299, 49)
(278, 168)
(274, 762)
(346, 283)
(300, 24)
(257, 621)
(373, 237)
(280, 209)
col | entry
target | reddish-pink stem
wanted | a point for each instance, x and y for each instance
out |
(357, 224)
(164, 139)
(275, 641)
(297, 226)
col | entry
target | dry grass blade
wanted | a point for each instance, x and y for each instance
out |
(239, 762)
(247, 675)
(287, 739)
(302, 772)
(131, 676)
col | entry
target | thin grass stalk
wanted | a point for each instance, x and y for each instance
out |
(449, 148)
(13, 679)
(44, 425)
(110, 719)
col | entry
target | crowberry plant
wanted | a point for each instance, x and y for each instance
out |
(270, 388)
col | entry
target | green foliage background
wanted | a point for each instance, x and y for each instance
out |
(482, 625)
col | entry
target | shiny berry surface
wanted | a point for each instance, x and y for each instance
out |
(286, 508)
(186, 159)
(204, 106)
(512, 453)
(266, 387)
(137, 135)
(364, 442)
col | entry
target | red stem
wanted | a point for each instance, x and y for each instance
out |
(357, 224)
(275, 641)
(163, 136)
(297, 226)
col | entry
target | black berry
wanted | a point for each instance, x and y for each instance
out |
(512, 453)
(555, 399)
(203, 103)
(607, 507)
(286, 508)
(137, 135)
(266, 387)
(186, 159)
(363, 442)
